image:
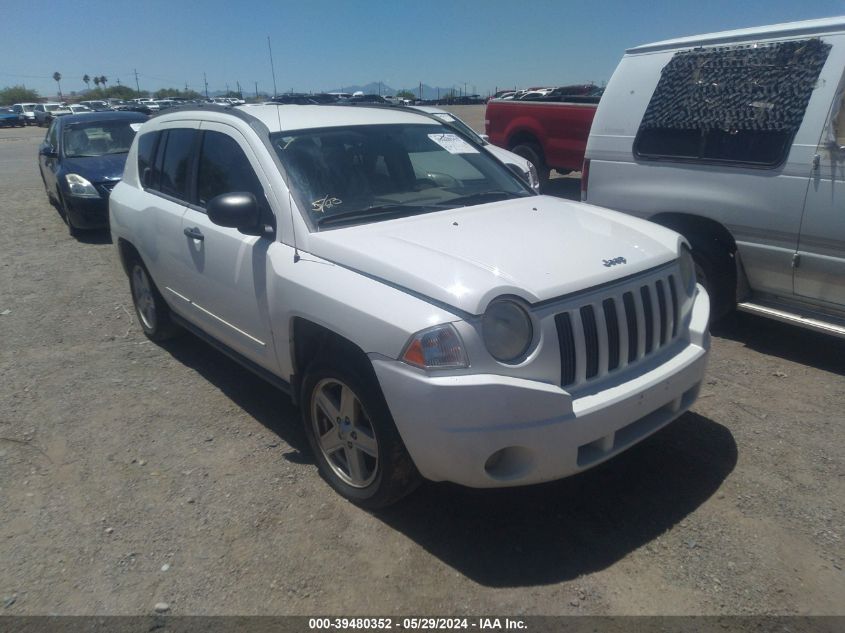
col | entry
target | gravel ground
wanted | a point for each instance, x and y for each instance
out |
(133, 474)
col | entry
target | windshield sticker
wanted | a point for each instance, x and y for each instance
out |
(135, 126)
(453, 143)
(320, 206)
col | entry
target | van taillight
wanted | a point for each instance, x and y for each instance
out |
(585, 176)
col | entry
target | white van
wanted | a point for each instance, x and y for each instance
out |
(737, 141)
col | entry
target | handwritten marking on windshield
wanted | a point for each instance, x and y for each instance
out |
(320, 206)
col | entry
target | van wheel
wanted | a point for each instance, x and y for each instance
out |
(150, 308)
(351, 432)
(715, 271)
(533, 154)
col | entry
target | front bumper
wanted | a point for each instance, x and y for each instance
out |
(487, 430)
(87, 213)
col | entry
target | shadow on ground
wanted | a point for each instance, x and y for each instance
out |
(556, 532)
(568, 187)
(99, 236)
(254, 395)
(788, 342)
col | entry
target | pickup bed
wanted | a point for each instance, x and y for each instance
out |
(551, 134)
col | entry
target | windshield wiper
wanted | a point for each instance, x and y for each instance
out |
(478, 198)
(378, 210)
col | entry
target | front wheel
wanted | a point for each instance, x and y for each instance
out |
(351, 432)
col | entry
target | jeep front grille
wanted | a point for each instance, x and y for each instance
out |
(618, 329)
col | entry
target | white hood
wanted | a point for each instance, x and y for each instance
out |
(536, 248)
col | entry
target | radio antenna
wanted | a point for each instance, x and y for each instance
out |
(296, 257)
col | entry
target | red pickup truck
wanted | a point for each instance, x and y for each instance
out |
(550, 132)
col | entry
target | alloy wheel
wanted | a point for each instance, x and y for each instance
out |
(344, 432)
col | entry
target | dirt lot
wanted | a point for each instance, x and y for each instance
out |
(132, 474)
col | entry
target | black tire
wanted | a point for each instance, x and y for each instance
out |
(158, 324)
(393, 474)
(534, 155)
(71, 229)
(715, 270)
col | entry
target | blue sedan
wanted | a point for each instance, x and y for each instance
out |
(81, 160)
(10, 118)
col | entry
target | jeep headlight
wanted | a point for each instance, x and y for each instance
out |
(507, 330)
(687, 265)
(80, 187)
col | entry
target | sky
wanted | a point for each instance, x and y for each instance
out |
(327, 44)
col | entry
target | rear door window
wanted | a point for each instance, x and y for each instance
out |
(731, 104)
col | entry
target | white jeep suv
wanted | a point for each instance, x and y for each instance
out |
(432, 316)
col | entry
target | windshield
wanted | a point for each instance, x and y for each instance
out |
(373, 172)
(97, 139)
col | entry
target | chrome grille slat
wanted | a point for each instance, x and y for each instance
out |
(611, 332)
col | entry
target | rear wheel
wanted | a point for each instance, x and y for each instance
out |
(534, 155)
(351, 432)
(150, 308)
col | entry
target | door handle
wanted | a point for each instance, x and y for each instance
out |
(194, 233)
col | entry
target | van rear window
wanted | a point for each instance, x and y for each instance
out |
(735, 104)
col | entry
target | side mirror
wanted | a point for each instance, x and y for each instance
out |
(48, 151)
(237, 210)
(517, 171)
(484, 138)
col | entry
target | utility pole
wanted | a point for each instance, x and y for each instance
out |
(186, 86)
(465, 89)
(272, 68)
(240, 94)
(205, 81)
(421, 91)
(227, 87)
(137, 85)
(256, 90)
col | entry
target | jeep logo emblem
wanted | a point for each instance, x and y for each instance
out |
(614, 261)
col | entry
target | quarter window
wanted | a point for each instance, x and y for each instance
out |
(146, 147)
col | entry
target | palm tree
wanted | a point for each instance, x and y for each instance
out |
(57, 77)
(103, 80)
(87, 81)
(97, 82)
